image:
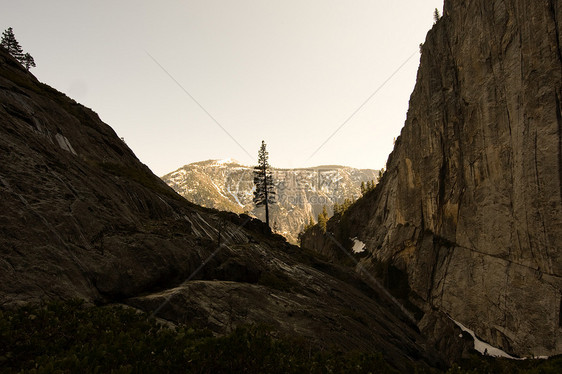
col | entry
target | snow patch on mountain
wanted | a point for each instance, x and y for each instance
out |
(227, 161)
(235, 197)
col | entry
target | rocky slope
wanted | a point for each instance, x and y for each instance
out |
(82, 217)
(469, 211)
(301, 193)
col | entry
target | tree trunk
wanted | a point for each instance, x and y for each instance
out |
(266, 196)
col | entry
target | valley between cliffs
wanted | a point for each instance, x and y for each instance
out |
(465, 224)
(82, 218)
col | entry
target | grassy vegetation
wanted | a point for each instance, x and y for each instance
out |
(480, 364)
(70, 337)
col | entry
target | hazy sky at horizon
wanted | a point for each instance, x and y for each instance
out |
(288, 72)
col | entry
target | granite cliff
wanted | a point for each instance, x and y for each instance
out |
(82, 217)
(469, 213)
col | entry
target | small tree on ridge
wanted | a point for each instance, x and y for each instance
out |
(28, 61)
(13, 47)
(436, 16)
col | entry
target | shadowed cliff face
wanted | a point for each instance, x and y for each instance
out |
(470, 207)
(82, 217)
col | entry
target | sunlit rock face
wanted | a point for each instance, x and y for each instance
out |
(301, 193)
(470, 207)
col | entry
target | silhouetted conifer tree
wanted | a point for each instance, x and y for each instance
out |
(28, 61)
(13, 47)
(11, 44)
(436, 15)
(264, 193)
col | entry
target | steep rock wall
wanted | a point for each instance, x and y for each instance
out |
(470, 205)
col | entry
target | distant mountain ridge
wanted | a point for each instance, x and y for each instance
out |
(302, 192)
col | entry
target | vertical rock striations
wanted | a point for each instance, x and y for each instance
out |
(470, 207)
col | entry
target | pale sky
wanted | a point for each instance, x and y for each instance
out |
(289, 72)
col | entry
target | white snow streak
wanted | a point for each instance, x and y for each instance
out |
(483, 347)
(235, 197)
(358, 245)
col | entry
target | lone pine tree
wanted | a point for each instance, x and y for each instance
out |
(264, 193)
(436, 16)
